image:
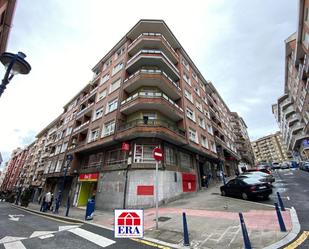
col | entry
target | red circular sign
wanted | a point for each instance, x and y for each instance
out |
(157, 154)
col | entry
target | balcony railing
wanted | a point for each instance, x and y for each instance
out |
(152, 123)
(144, 51)
(152, 95)
(147, 71)
(85, 109)
(81, 126)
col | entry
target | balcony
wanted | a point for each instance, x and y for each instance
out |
(152, 101)
(153, 41)
(151, 128)
(87, 108)
(290, 110)
(81, 127)
(297, 127)
(286, 103)
(297, 140)
(293, 119)
(156, 78)
(153, 58)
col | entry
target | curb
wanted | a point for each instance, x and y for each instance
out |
(58, 217)
(291, 235)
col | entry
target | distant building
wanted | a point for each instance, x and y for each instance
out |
(292, 108)
(270, 149)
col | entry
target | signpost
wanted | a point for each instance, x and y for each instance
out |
(158, 156)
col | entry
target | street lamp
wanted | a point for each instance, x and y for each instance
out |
(14, 64)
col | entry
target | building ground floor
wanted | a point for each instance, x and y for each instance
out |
(118, 178)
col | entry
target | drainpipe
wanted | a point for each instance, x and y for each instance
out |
(126, 180)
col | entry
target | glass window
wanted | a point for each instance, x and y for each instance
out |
(188, 95)
(169, 155)
(117, 68)
(102, 95)
(193, 135)
(185, 160)
(52, 167)
(115, 85)
(209, 129)
(190, 114)
(94, 135)
(64, 147)
(59, 165)
(108, 128)
(115, 156)
(186, 64)
(98, 113)
(201, 122)
(197, 90)
(111, 106)
(143, 153)
(186, 78)
(199, 106)
(104, 79)
(69, 131)
(204, 142)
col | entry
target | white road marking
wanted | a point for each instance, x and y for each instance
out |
(40, 233)
(8, 239)
(94, 238)
(288, 198)
(14, 245)
(46, 236)
(63, 228)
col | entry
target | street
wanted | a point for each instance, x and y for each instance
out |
(20, 230)
(293, 186)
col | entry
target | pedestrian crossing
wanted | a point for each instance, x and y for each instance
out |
(21, 242)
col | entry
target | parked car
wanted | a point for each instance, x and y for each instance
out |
(305, 166)
(267, 171)
(246, 188)
(276, 166)
(263, 177)
(285, 166)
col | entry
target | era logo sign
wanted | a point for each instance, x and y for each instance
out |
(129, 223)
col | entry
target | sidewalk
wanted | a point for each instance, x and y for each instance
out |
(213, 221)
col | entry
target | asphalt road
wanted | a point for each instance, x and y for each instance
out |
(20, 230)
(293, 186)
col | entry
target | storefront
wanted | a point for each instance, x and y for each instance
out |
(87, 186)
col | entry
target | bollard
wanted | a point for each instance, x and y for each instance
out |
(280, 202)
(68, 207)
(280, 219)
(186, 241)
(247, 242)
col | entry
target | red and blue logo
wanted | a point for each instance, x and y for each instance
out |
(129, 223)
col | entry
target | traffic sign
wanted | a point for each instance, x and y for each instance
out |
(125, 146)
(157, 154)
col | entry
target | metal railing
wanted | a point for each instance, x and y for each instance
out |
(85, 109)
(81, 126)
(152, 95)
(152, 123)
(154, 35)
(148, 71)
(145, 51)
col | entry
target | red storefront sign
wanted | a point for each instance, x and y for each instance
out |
(125, 146)
(90, 177)
(188, 182)
(145, 190)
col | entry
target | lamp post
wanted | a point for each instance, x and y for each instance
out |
(14, 64)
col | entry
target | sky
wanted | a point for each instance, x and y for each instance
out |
(238, 45)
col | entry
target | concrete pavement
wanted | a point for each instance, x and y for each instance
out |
(213, 221)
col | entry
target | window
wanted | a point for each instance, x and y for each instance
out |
(119, 53)
(199, 106)
(205, 99)
(185, 160)
(169, 155)
(188, 95)
(98, 113)
(204, 142)
(115, 156)
(186, 78)
(201, 122)
(213, 146)
(52, 167)
(64, 147)
(58, 148)
(306, 15)
(101, 95)
(207, 114)
(193, 135)
(143, 153)
(112, 106)
(117, 68)
(194, 76)
(107, 64)
(186, 64)
(94, 135)
(59, 165)
(68, 131)
(202, 85)
(108, 128)
(104, 79)
(47, 167)
(115, 85)
(209, 129)
(197, 90)
(190, 114)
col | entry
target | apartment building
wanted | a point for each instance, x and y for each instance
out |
(7, 8)
(270, 149)
(146, 92)
(243, 143)
(15, 165)
(292, 108)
